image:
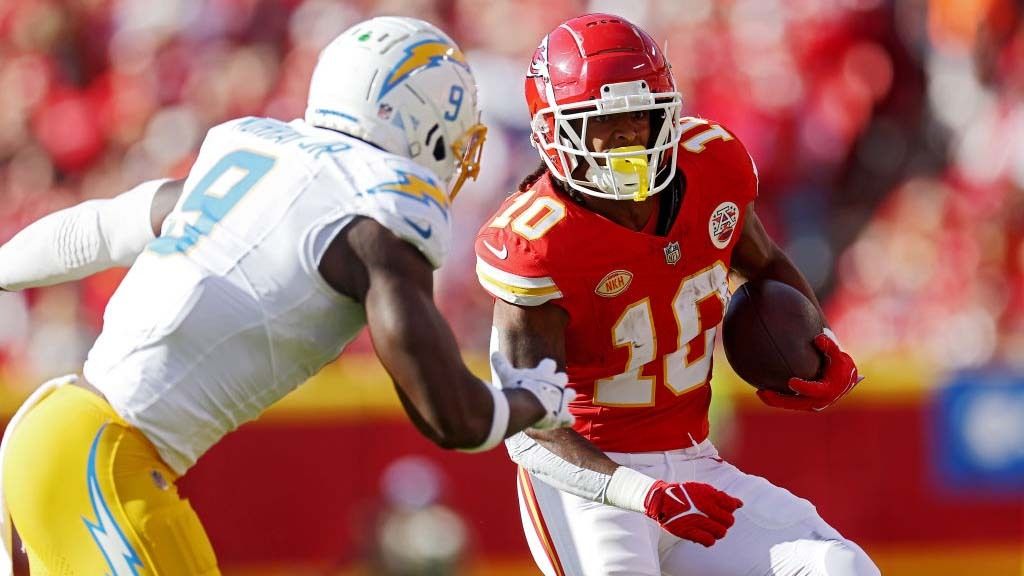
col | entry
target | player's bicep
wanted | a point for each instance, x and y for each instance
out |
(528, 334)
(755, 250)
(757, 256)
(394, 281)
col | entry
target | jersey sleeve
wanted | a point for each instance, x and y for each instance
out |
(721, 150)
(408, 200)
(513, 268)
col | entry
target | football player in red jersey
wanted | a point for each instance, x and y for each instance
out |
(613, 258)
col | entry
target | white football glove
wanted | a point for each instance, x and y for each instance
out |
(545, 382)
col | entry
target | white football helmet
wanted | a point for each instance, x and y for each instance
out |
(403, 85)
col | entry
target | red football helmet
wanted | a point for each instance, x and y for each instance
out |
(602, 64)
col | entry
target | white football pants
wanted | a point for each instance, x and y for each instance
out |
(775, 534)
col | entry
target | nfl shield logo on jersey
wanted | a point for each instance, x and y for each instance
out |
(672, 253)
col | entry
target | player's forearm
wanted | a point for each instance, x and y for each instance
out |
(457, 407)
(568, 445)
(79, 241)
(581, 470)
(417, 348)
(556, 471)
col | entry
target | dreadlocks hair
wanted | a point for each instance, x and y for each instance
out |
(532, 177)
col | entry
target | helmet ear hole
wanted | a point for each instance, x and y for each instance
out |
(439, 149)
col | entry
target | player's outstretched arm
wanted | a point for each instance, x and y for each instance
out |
(87, 238)
(414, 343)
(565, 459)
(758, 257)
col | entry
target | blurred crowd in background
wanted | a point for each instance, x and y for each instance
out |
(889, 138)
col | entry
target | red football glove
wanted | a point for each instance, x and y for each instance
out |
(692, 511)
(815, 395)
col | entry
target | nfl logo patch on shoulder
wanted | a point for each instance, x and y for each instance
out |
(672, 253)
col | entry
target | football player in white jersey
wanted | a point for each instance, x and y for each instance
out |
(248, 277)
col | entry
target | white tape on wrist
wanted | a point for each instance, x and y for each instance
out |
(499, 422)
(628, 489)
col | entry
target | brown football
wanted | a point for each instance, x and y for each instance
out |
(768, 335)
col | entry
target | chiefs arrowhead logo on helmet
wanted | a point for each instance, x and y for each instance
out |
(539, 65)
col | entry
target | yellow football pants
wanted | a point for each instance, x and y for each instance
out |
(90, 496)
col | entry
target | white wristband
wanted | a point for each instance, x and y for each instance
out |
(628, 489)
(499, 422)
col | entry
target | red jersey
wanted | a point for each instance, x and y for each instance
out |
(643, 309)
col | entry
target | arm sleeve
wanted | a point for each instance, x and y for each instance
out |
(555, 471)
(81, 240)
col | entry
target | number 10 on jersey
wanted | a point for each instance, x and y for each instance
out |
(686, 367)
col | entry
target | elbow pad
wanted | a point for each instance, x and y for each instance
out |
(81, 240)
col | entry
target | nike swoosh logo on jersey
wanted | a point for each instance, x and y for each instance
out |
(499, 254)
(425, 232)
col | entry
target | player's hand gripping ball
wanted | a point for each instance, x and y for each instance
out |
(774, 338)
(815, 395)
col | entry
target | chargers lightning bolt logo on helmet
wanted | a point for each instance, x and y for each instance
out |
(419, 56)
(120, 556)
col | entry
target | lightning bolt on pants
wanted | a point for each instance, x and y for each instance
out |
(88, 494)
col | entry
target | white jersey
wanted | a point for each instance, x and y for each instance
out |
(226, 312)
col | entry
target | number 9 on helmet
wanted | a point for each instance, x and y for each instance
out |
(403, 85)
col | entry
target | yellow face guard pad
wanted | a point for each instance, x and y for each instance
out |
(635, 166)
(469, 150)
(560, 135)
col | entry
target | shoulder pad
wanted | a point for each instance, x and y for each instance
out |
(407, 199)
(711, 144)
(514, 255)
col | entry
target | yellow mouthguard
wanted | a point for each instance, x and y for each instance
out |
(632, 165)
